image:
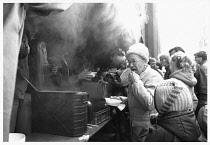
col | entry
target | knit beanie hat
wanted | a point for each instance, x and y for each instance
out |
(172, 95)
(139, 49)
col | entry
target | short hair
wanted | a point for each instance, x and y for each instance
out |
(176, 49)
(202, 54)
(164, 56)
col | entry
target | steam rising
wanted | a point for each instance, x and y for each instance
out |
(90, 30)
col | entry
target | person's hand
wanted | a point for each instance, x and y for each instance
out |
(123, 99)
(103, 84)
(84, 75)
(133, 77)
(54, 69)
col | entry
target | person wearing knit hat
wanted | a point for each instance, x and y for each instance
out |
(142, 82)
(172, 95)
(139, 49)
(176, 120)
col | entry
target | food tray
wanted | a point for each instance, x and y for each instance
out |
(100, 114)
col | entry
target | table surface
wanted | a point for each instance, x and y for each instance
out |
(41, 137)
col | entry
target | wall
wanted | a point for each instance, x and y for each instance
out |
(151, 31)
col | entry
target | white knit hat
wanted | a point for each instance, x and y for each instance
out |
(172, 95)
(139, 49)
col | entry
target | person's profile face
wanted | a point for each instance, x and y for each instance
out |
(153, 65)
(198, 60)
(164, 62)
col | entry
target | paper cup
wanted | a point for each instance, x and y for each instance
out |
(16, 137)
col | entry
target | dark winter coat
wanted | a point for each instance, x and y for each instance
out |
(175, 126)
(201, 86)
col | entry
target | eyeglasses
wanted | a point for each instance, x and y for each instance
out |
(132, 61)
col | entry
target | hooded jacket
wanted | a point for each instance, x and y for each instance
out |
(189, 79)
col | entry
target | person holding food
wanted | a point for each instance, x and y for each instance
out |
(116, 79)
(115, 83)
(142, 82)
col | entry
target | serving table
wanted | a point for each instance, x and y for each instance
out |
(40, 137)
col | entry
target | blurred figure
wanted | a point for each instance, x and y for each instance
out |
(115, 83)
(201, 59)
(14, 15)
(20, 87)
(202, 119)
(201, 76)
(117, 76)
(118, 59)
(176, 120)
(158, 65)
(118, 86)
(142, 83)
(60, 69)
(40, 69)
(86, 73)
(153, 63)
(164, 61)
(181, 69)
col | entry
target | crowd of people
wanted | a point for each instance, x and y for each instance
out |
(177, 91)
(162, 92)
(166, 99)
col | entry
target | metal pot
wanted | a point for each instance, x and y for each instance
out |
(63, 113)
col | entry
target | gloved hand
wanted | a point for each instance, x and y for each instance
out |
(133, 77)
(54, 69)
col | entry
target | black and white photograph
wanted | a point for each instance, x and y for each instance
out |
(105, 71)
